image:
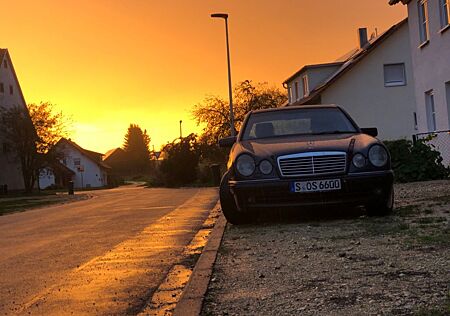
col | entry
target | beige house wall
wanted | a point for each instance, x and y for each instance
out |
(362, 92)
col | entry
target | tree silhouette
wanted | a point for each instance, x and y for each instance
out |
(180, 166)
(31, 134)
(50, 126)
(136, 146)
(214, 111)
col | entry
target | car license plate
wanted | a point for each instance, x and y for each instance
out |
(316, 185)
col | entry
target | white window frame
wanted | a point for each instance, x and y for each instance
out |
(431, 111)
(398, 82)
(297, 96)
(290, 93)
(444, 9)
(424, 35)
(305, 85)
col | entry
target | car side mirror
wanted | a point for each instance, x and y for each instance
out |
(227, 141)
(372, 131)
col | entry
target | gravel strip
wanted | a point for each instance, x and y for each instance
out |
(396, 265)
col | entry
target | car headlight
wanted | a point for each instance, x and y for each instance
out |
(359, 161)
(265, 167)
(245, 165)
(378, 156)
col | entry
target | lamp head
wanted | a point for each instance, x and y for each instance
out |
(219, 15)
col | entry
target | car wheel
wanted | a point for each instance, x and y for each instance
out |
(229, 208)
(382, 208)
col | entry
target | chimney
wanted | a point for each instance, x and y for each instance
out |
(362, 37)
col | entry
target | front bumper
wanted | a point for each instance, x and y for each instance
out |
(356, 189)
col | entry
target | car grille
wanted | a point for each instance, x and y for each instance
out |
(312, 163)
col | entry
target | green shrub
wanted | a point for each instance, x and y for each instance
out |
(180, 166)
(416, 161)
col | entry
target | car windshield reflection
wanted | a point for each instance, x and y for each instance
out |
(309, 121)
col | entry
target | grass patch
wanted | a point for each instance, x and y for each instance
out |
(440, 238)
(436, 311)
(384, 226)
(438, 200)
(20, 204)
(7, 207)
(407, 210)
(429, 220)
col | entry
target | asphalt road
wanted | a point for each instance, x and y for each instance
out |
(103, 256)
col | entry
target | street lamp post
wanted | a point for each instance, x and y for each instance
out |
(181, 135)
(230, 91)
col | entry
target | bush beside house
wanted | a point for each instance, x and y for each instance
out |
(416, 161)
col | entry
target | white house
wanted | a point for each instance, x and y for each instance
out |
(429, 32)
(373, 82)
(55, 175)
(90, 171)
(10, 96)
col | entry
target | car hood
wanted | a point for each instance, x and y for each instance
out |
(277, 146)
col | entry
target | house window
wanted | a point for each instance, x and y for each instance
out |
(394, 75)
(2, 88)
(76, 161)
(290, 94)
(416, 126)
(296, 90)
(423, 20)
(431, 113)
(305, 85)
(11, 89)
(445, 12)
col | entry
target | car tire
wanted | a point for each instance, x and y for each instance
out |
(229, 208)
(382, 208)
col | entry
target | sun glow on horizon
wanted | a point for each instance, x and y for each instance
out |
(109, 63)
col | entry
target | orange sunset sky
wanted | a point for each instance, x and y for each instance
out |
(109, 63)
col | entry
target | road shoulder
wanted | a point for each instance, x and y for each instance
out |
(192, 298)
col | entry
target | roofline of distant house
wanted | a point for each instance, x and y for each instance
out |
(112, 152)
(337, 63)
(360, 56)
(85, 152)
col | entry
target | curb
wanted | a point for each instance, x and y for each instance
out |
(191, 300)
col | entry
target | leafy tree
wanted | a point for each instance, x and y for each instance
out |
(31, 133)
(50, 126)
(214, 113)
(136, 146)
(180, 166)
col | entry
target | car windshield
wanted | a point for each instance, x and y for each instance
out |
(297, 122)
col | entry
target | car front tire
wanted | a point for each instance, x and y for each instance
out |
(229, 208)
(383, 207)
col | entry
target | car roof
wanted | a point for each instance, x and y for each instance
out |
(297, 107)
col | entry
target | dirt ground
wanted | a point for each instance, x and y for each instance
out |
(340, 264)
